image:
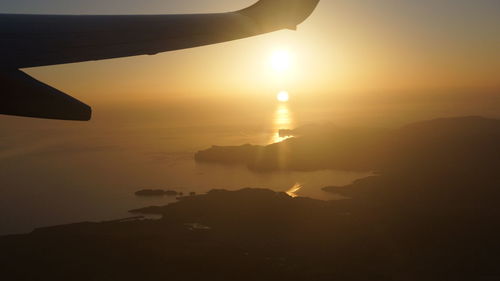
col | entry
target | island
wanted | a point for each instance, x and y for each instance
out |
(156, 192)
(431, 214)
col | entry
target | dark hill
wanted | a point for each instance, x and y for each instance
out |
(428, 143)
(432, 214)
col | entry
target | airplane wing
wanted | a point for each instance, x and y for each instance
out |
(23, 95)
(39, 40)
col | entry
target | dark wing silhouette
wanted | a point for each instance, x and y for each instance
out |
(38, 40)
(22, 95)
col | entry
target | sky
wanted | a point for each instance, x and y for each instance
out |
(355, 46)
(354, 52)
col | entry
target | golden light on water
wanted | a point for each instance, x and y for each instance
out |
(292, 192)
(281, 62)
(283, 96)
(282, 121)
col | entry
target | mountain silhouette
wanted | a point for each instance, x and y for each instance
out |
(431, 213)
(430, 143)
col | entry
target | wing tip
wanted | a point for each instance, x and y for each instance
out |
(83, 116)
(279, 14)
(22, 95)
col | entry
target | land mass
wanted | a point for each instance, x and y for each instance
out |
(431, 214)
(156, 192)
(437, 142)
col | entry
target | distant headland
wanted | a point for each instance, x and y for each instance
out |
(156, 192)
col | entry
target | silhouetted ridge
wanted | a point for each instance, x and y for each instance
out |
(429, 143)
(431, 214)
(385, 230)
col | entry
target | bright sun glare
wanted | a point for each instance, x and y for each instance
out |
(281, 60)
(283, 96)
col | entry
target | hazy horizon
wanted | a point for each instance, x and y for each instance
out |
(347, 47)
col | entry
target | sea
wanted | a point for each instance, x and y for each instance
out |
(59, 172)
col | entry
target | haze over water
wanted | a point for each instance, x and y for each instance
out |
(91, 170)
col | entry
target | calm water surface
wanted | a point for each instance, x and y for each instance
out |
(83, 172)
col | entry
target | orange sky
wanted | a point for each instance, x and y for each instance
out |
(345, 47)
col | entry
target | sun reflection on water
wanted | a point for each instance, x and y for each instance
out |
(292, 192)
(282, 121)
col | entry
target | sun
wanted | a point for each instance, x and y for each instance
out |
(281, 60)
(283, 96)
